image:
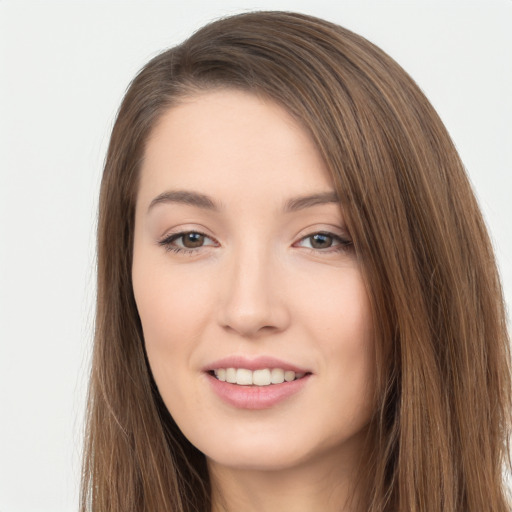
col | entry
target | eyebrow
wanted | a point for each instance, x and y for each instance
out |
(205, 202)
(185, 197)
(299, 203)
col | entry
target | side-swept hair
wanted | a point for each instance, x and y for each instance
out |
(440, 429)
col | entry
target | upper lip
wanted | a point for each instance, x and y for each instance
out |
(256, 363)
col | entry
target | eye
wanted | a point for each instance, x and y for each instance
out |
(328, 242)
(188, 241)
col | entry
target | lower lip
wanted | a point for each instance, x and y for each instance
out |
(256, 397)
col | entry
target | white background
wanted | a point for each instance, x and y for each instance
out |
(63, 69)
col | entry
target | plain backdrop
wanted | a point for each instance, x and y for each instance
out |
(64, 67)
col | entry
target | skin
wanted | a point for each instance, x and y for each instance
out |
(257, 284)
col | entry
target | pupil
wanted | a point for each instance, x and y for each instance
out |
(321, 241)
(191, 240)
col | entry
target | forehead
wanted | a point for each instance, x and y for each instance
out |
(231, 141)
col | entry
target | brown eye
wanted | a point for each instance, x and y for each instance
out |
(187, 241)
(325, 242)
(321, 241)
(192, 240)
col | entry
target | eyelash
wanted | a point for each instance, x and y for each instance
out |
(168, 241)
(343, 244)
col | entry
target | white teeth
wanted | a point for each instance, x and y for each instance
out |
(221, 374)
(277, 376)
(231, 375)
(263, 377)
(244, 377)
(289, 376)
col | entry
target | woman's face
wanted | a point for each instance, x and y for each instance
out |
(255, 316)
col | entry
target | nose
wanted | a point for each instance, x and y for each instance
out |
(253, 300)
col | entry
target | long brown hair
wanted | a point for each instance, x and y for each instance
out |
(442, 417)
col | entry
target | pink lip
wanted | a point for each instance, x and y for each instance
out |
(256, 397)
(257, 363)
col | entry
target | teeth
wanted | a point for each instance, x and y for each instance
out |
(244, 377)
(289, 376)
(277, 376)
(231, 375)
(221, 374)
(263, 377)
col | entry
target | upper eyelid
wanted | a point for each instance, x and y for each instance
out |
(337, 232)
(175, 236)
(301, 236)
(171, 237)
(343, 240)
(171, 234)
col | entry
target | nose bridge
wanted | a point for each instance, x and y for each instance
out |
(251, 301)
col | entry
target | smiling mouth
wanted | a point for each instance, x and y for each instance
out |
(263, 377)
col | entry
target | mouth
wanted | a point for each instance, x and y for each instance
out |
(262, 382)
(257, 378)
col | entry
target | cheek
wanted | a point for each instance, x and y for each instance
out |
(338, 313)
(353, 344)
(173, 309)
(341, 325)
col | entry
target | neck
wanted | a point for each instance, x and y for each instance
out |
(327, 485)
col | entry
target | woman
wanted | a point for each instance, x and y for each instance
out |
(298, 305)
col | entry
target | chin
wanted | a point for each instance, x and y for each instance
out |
(250, 449)
(258, 460)
(266, 452)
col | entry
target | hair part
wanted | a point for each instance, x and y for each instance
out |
(438, 440)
